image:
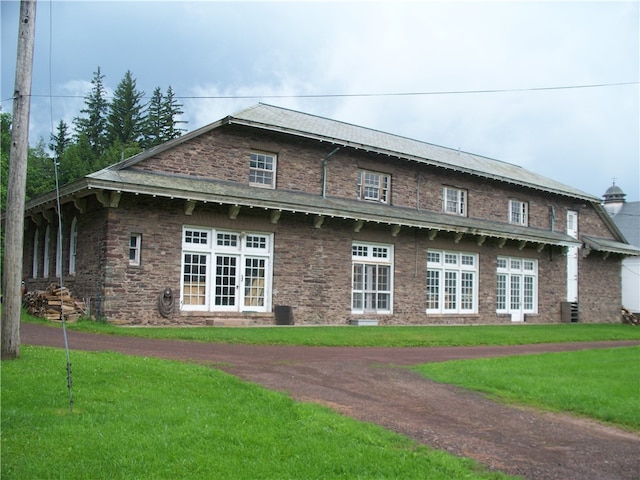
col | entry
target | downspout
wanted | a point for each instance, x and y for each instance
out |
(324, 171)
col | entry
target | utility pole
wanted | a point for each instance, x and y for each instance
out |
(14, 221)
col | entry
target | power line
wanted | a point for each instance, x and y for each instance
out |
(392, 94)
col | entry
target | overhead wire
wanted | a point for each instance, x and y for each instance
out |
(372, 94)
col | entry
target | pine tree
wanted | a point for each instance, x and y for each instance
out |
(61, 141)
(125, 121)
(93, 125)
(153, 130)
(171, 110)
(161, 120)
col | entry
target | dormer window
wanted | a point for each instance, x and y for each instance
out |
(454, 201)
(518, 212)
(262, 170)
(373, 186)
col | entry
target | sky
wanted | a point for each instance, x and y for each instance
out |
(482, 74)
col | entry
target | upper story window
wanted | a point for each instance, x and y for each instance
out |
(262, 170)
(373, 186)
(454, 201)
(518, 212)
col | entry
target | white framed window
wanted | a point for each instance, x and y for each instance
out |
(372, 281)
(36, 253)
(135, 249)
(517, 286)
(518, 212)
(262, 170)
(59, 253)
(226, 271)
(452, 285)
(73, 246)
(373, 186)
(454, 201)
(45, 255)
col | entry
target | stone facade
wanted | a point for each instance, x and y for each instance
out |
(311, 264)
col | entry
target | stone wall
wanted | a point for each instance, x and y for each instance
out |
(312, 266)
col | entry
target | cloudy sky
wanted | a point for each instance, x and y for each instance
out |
(221, 57)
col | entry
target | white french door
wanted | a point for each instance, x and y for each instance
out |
(517, 287)
(226, 284)
(226, 271)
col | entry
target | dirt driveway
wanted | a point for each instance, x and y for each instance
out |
(368, 384)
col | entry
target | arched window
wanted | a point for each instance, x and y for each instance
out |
(36, 251)
(59, 252)
(73, 246)
(45, 257)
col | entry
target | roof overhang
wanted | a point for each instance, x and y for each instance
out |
(109, 184)
(607, 246)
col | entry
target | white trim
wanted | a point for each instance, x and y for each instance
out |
(36, 251)
(369, 262)
(259, 171)
(73, 246)
(452, 266)
(201, 250)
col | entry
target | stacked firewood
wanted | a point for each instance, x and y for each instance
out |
(51, 302)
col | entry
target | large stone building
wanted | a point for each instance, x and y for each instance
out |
(272, 216)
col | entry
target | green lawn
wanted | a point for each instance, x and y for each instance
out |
(600, 384)
(392, 336)
(146, 418)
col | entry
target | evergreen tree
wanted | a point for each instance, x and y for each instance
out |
(5, 146)
(171, 111)
(153, 128)
(161, 120)
(93, 125)
(60, 141)
(125, 121)
(40, 171)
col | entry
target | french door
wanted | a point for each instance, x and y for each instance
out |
(226, 271)
(516, 289)
(239, 283)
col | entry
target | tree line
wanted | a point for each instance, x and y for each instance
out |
(105, 132)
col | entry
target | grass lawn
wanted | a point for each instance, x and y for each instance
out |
(137, 417)
(600, 384)
(392, 336)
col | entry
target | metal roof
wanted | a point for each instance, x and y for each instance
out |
(210, 191)
(609, 246)
(273, 118)
(628, 221)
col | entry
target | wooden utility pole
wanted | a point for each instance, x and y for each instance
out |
(14, 221)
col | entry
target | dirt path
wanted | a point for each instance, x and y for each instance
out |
(368, 384)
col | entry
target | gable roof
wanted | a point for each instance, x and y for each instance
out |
(124, 177)
(302, 124)
(278, 119)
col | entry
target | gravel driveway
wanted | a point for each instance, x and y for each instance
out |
(369, 384)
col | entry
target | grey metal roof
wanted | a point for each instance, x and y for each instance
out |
(273, 118)
(607, 245)
(203, 190)
(628, 222)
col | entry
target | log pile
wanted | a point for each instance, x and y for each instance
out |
(49, 303)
